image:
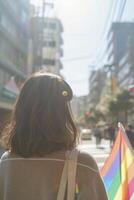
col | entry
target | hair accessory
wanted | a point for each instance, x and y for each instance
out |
(65, 93)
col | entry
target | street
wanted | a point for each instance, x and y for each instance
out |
(100, 154)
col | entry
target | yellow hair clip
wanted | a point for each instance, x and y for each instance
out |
(65, 93)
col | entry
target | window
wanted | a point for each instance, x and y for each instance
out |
(45, 25)
(52, 43)
(52, 26)
(49, 43)
(48, 62)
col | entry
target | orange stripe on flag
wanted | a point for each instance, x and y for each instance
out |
(111, 157)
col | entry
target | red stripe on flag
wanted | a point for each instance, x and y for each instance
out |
(112, 155)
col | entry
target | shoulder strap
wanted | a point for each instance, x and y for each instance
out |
(72, 167)
(63, 183)
(68, 177)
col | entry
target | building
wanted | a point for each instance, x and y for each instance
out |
(97, 81)
(79, 106)
(14, 18)
(121, 52)
(47, 42)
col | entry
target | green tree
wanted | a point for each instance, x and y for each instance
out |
(123, 103)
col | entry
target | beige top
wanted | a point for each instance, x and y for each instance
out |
(39, 178)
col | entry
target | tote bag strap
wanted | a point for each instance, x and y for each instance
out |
(63, 183)
(72, 168)
(68, 177)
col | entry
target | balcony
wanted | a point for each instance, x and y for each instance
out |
(15, 17)
(10, 6)
(15, 41)
(9, 67)
(49, 62)
(111, 56)
(124, 60)
(110, 42)
(125, 80)
(12, 10)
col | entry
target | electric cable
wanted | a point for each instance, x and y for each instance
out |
(76, 58)
(122, 10)
(116, 17)
(113, 6)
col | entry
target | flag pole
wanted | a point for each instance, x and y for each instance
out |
(120, 126)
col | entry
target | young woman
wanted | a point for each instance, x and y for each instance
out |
(40, 134)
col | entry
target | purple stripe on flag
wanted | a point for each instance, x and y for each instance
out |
(113, 168)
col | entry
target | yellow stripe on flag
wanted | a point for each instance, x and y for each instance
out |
(127, 161)
(123, 171)
(129, 158)
(118, 194)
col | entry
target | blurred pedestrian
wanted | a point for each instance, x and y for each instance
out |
(111, 134)
(130, 134)
(97, 134)
(41, 143)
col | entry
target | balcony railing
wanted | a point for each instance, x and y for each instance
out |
(14, 13)
(11, 68)
(15, 41)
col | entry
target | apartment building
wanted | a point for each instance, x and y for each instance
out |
(14, 18)
(97, 81)
(46, 34)
(121, 52)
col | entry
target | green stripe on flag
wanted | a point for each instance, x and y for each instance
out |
(115, 185)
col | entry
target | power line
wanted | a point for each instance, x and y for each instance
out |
(115, 15)
(122, 10)
(111, 14)
(76, 58)
(76, 34)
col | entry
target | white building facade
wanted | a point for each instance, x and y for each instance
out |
(52, 45)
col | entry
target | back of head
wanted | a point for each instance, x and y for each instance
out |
(42, 121)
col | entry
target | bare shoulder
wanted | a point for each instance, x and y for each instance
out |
(86, 160)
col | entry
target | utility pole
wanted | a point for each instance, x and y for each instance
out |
(42, 36)
(112, 70)
(44, 4)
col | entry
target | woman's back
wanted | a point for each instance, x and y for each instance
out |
(42, 123)
(39, 178)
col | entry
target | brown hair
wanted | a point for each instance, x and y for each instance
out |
(41, 121)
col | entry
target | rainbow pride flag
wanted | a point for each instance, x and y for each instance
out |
(118, 170)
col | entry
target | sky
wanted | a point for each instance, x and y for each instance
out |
(84, 23)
